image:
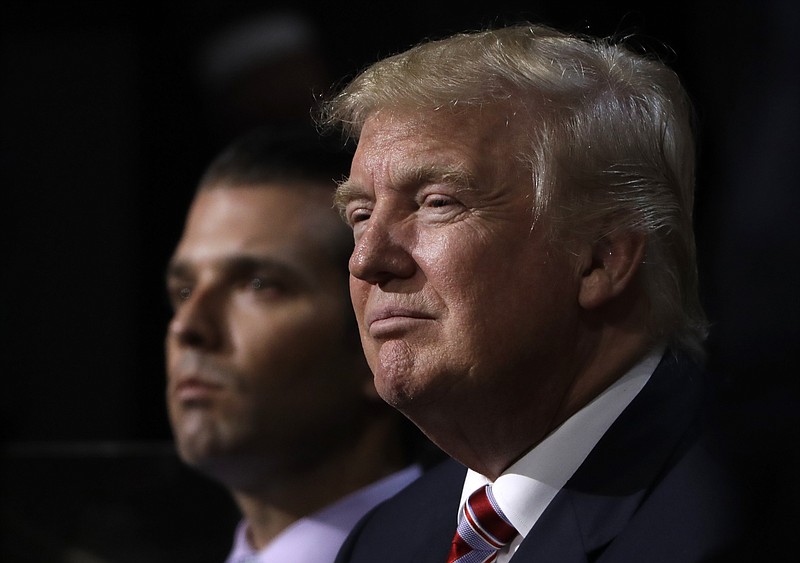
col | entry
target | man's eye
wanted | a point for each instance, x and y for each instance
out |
(260, 283)
(438, 201)
(358, 215)
(178, 295)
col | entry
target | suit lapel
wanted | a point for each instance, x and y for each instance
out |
(443, 509)
(417, 525)
(600, 499)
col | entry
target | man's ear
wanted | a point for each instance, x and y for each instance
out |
(612, 262)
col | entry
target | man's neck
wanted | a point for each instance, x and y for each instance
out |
(490, 446)
(283, 498)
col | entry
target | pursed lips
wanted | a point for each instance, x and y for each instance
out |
(386, 320)
(195, 387)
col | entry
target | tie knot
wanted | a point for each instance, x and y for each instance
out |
(483, 529)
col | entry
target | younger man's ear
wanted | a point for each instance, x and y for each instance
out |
(610, 265)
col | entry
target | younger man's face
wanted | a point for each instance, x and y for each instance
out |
(260, 366)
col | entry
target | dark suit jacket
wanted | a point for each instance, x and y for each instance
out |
(652, 490)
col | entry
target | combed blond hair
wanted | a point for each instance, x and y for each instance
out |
(608, 140)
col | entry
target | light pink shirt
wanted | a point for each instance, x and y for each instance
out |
(318, 537)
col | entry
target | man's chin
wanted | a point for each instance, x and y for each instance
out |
(201, 439)
(198, 453)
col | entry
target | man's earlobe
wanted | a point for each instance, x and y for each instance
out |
(614, 262)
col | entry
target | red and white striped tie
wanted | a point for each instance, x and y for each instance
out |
(482, 531)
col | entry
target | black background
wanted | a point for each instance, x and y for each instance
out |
(105, 128)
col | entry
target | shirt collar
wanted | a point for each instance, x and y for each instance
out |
(526, 488)
(319, 536)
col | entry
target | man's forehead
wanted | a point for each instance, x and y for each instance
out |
(478, 119)
(417, 122)
(428, 146)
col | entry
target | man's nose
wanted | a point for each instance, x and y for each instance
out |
(196, 321)
(382, 252)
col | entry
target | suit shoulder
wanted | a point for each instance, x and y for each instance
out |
(414, 525)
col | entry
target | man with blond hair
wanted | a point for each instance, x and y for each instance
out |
(525, 285)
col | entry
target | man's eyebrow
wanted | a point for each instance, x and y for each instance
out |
(346, 192)
(245, 263)
(238, 264)
(456, 175)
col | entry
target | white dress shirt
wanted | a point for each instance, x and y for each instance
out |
(528, 486)
(318, 537)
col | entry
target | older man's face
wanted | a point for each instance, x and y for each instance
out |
(458, 294)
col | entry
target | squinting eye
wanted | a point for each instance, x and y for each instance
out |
(184, 293)
(358, 215)
(437, 201)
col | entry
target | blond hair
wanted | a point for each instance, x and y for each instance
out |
(608, 141)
